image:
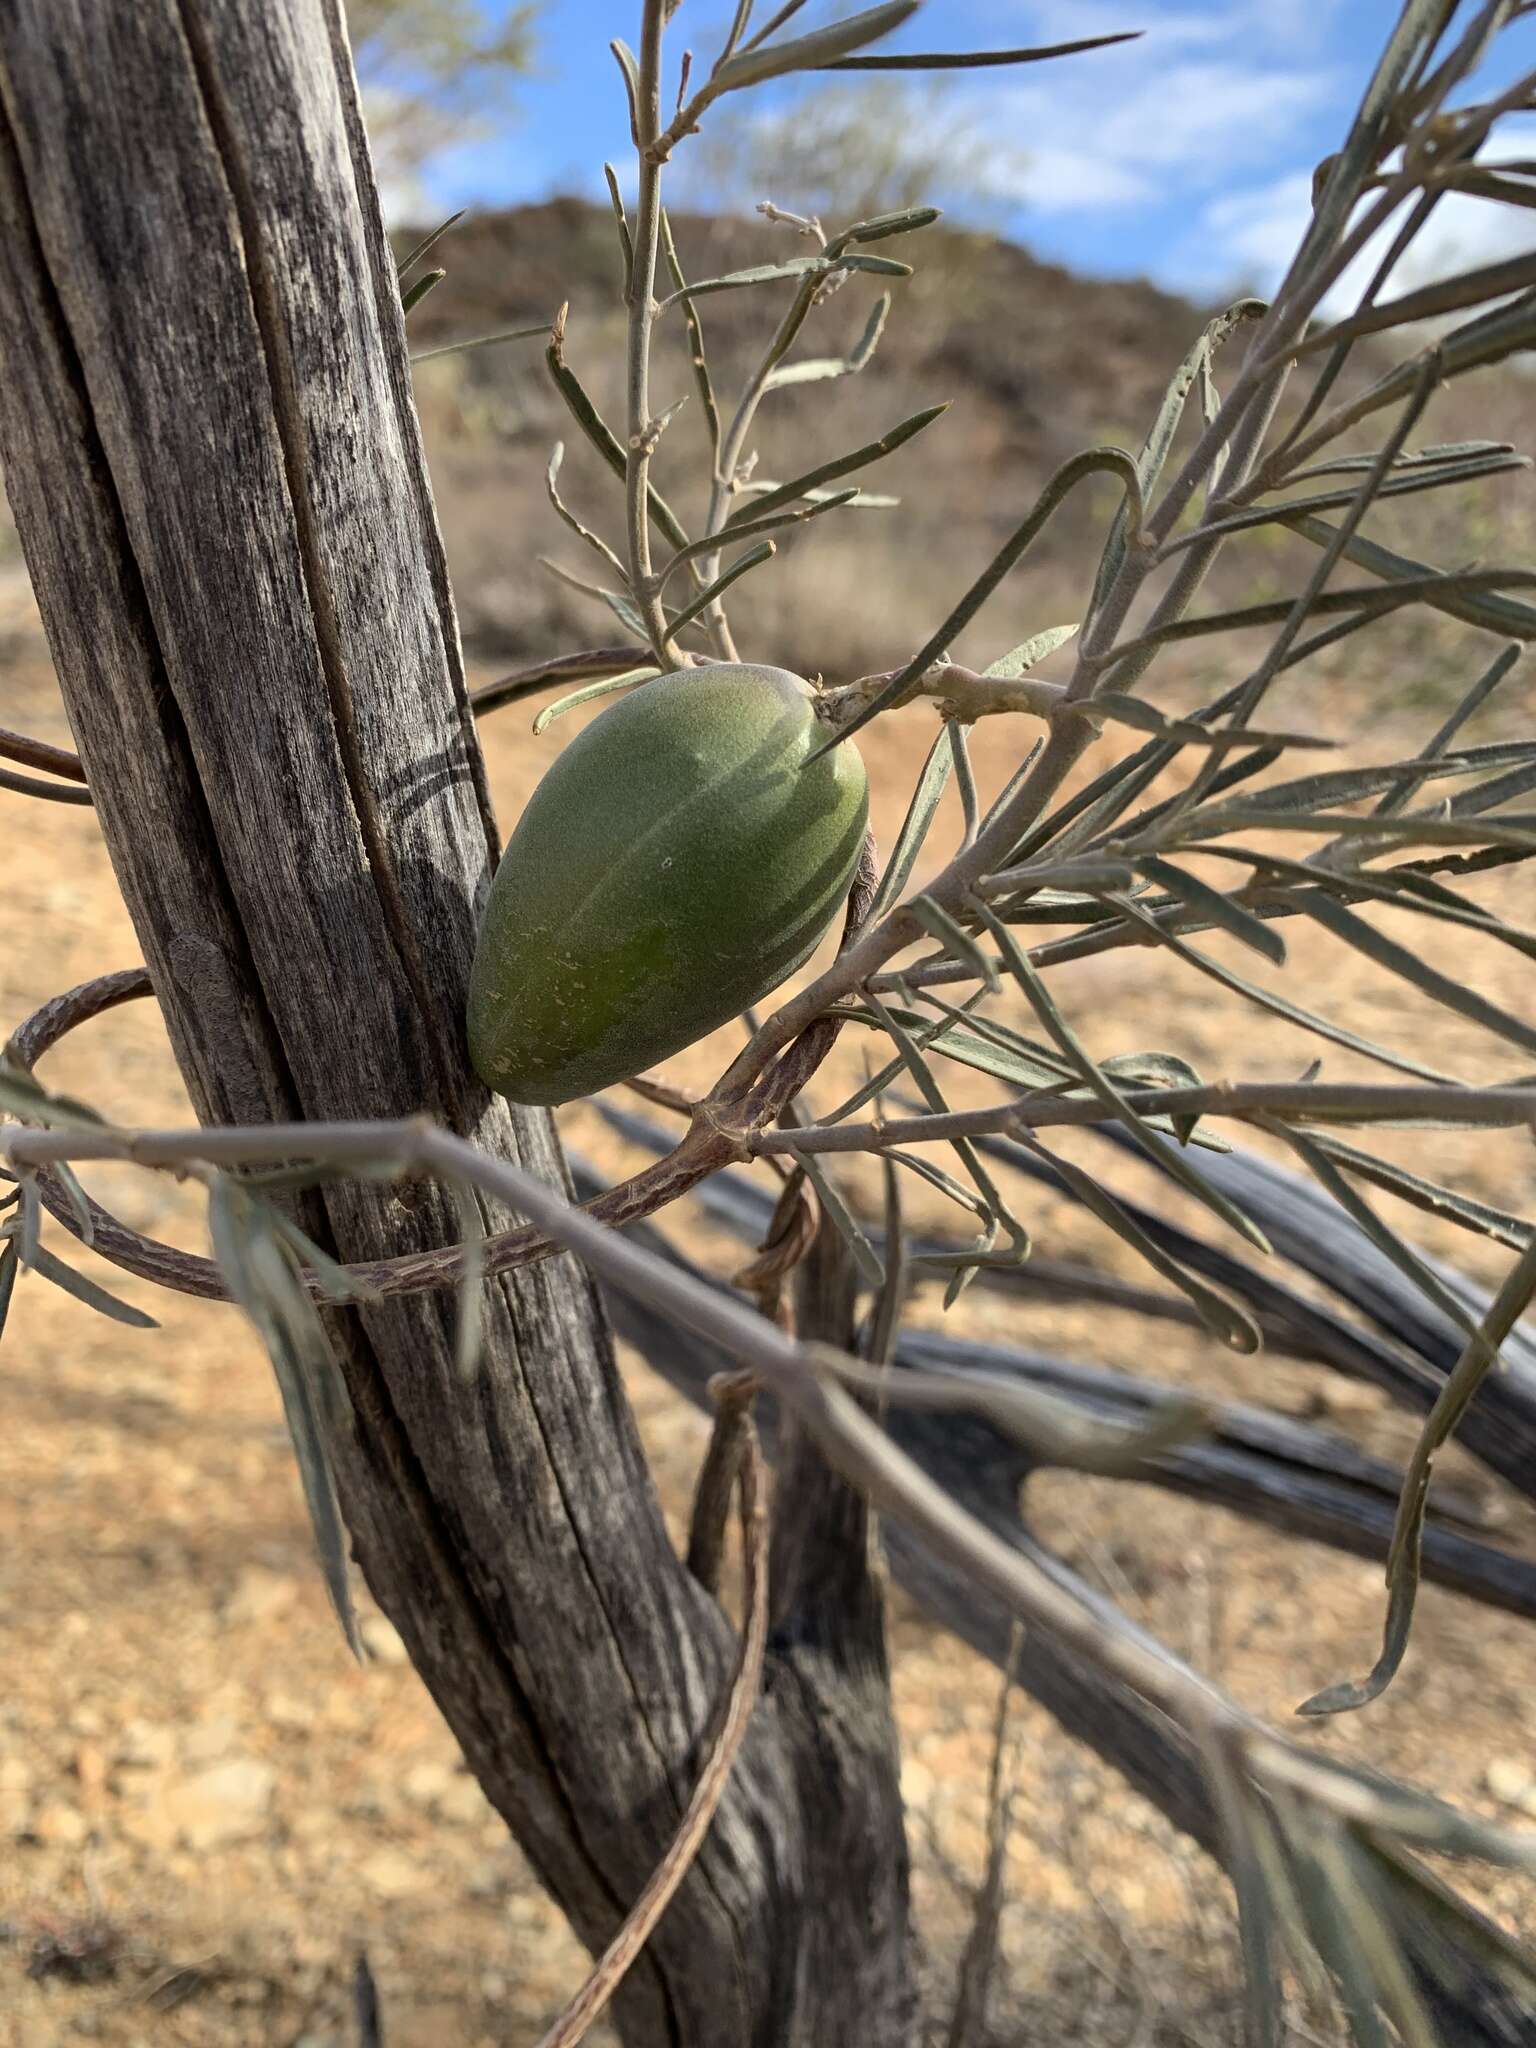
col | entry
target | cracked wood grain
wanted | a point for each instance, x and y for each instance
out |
(208, 439)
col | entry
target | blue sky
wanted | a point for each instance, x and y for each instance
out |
(1185, 157)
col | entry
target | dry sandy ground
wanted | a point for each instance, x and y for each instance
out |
(206, 1810)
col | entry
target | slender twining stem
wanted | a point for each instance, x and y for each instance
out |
(17, 746)
(640, 442)
(805, 1378)
(1363, 1102)
(733, 444)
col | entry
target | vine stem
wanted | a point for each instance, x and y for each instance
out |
(1246, 1101)
(640, 441)
(805, 1377)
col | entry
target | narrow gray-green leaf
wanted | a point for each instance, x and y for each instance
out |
(1091, 462)
(843, 1221)
(1331, 1927)
(701, 600)
(1350, 785)
(978, 60)
(1208, 903)
(1145, 717)
(879, 227)
(998, 1211)
(597, 430)
(469, 1316)
(79, 1201)
(815, 369)
(464, 348)
(590, 692)
(1046, 1008)
(1517, 830)
(87, 1291)
(1450, 993)
(955, 939)
(413, 294)
(936, 1177)
(621, 224)
(1225, 1318)
(427, 242)
(629, 71)
(10, 1266)
(26, 1097)
(1281, 1006)
(1154, 450)
(1430, 1195)
(840, 465)
(1491, 609)
(697, 354)
(1455, 1397)
(326, 1272)
(1018, 661)
(794, 266)
(1490, 679)
(27, 1225)
(879, 1348)
(814, 52)
(958, 733)
(262, 1279)
(915, 827)
(615, 600)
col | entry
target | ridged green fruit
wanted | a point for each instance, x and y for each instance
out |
(676, 862)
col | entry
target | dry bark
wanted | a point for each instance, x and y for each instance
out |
(209, 441)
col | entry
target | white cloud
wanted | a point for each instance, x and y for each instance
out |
(1272, 27)
(1250, 237)
(1055, 178)
(1140, 140)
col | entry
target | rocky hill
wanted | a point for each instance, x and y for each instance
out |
(1037, 362)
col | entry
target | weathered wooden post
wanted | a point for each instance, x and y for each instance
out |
(209, 441)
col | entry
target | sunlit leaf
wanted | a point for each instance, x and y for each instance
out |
(1154, 450)
(1018, 661)
(813, 52)
(817, 369)
(413, 294)
(475, 341)
(1092, 462)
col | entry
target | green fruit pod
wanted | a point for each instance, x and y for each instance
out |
(677, 861)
